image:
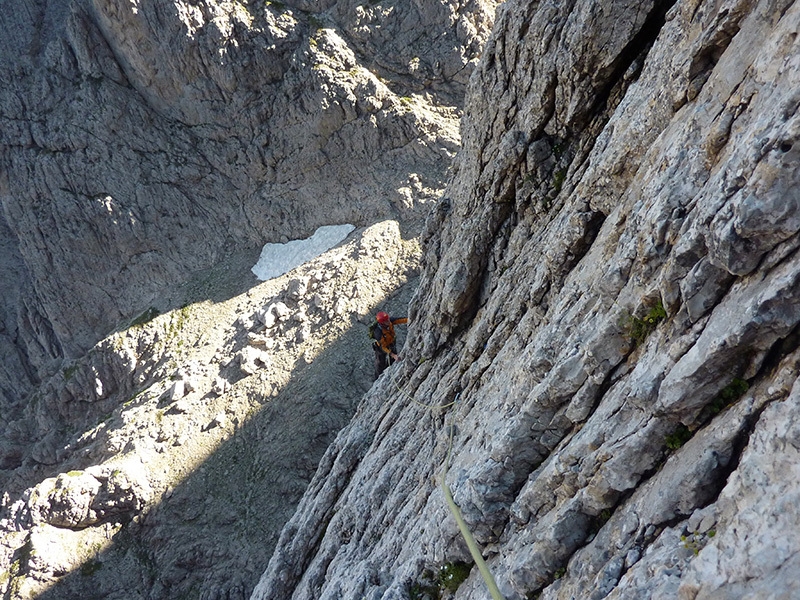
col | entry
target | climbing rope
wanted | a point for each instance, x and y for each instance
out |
(414, 400)
(472, 544)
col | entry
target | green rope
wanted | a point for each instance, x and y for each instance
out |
(472, 544)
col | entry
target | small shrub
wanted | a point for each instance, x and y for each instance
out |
(727, 396)
(560, 573)
(730, 393)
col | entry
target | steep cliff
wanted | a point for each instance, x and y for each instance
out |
(141, 142)
(603, 353)
(162, 411)
(169, 457)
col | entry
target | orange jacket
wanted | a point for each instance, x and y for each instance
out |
(385, 336)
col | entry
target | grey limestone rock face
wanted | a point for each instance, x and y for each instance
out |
(142, 142)
(603, 348)
(166, 461)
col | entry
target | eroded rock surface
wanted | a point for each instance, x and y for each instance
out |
(173, 453)
(604, 341)
(141, 142)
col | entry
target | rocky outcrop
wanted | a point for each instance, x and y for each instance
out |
(602, 363)
(80, 499)
(603, 354)
(140, 143)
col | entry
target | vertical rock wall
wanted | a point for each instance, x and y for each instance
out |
(605, 335)
(140, 142)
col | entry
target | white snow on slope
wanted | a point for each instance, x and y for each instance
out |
(277, 259)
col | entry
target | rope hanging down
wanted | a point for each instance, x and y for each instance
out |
(415, 401)
(472, 543)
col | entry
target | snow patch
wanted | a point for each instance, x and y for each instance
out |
(277, 259)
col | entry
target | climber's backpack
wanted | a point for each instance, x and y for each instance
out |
(375, 332)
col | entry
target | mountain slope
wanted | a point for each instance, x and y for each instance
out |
(140, 143)
(161, 411)
(604, 341)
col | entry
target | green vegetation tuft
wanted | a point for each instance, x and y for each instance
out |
(432, 586)
(640, 329)
(678, 438)
(726, 396)
(177, 322)
(453, 574)
(729, 394)
(696, 541)
(560, 573)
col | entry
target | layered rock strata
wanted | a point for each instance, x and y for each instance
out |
(603, 354)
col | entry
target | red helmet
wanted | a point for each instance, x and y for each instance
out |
(382, 317)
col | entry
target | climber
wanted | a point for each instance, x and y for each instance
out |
(382, 332)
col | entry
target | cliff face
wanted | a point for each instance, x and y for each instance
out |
(603, 351)
(168, 458)
(142, 142)
(603, 355)
(161, 411)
